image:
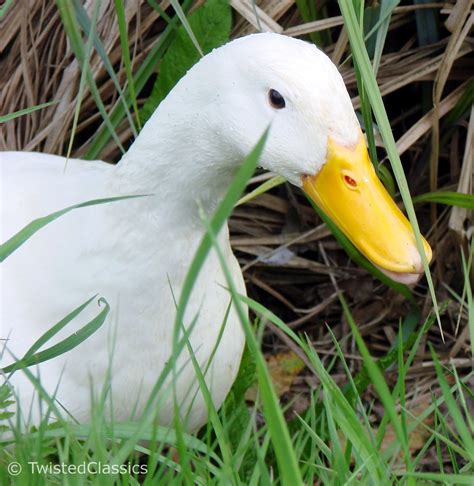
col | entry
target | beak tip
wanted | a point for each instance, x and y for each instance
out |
(416, 258)
(405, 278)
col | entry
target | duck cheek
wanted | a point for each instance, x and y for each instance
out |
(349, 192)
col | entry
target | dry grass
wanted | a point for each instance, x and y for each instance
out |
(291, 262)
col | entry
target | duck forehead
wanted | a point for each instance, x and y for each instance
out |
(281, 55)
(299, 69)
(321, 99)
(306, 76)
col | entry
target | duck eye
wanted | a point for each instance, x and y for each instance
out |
(350, 181)
(276, 99)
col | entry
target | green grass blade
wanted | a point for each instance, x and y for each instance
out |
(66, 344)
(262, 189)
(82, 81)
(448, 198)
(380, 385)
(385, 14)
(53, 411)
(219, 430)
(427, 27)
(453, 408)
(182, 17)
(4, 8)
(461, 108)
(362, 379)
(387, 179)
(89, 28)
(127, 430)
(346, 417)
(220, 217)
(368, 122)
(456, 479)
(181, 54)
(142, 429)
(48, 335)
(348, 420)
(268, 315)
(362, 59)
(16, 114)
(280, 436)
(284, 451)
(143, 74)
(218, 220)
(467, 266)
(13, 243)
(71, 26)
(123, 30)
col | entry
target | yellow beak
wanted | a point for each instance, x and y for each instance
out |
(350, 193)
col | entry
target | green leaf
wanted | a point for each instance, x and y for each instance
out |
(4, 8)
(235, 405)
(371, 16)
(462, 106)
(427, 24)
(386, 9)
(12, 244)
(447, 197)
(246, 376)
(211, 25)
(262, 189)
(76, 338)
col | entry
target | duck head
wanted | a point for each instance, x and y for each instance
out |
(315, 142)
(268, 80)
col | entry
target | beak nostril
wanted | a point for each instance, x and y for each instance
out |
(350, 181)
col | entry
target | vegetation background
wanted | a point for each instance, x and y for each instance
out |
(393, 409)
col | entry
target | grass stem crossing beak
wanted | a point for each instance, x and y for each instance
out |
(348, 190)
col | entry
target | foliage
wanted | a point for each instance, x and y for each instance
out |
(211, 25)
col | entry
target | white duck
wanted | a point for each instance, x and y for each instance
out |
(135, 251)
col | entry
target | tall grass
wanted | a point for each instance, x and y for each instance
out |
(333, 442)
(246, 454)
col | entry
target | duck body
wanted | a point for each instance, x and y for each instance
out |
(136, 252)
(104, 250)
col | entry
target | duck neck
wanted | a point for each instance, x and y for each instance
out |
(181, 161)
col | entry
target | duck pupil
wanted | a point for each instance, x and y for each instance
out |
(276, 99)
